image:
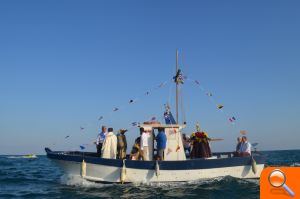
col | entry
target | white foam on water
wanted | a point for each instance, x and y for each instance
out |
(76, 180)
(22, 157)
(207, 181)
(178, 184)
(14, 157)
(295, 164)
(247, 181)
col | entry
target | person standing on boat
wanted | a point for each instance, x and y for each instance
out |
(238, 146)
(145, 143)
(245, 149)
(136, 153)
(100, 139)
(186, 143)
(109, 147)
(161, 140)
(200, 143)
(122, 144)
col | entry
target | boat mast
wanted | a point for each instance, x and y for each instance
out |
(177, 87)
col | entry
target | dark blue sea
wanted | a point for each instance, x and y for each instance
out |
(41, 178)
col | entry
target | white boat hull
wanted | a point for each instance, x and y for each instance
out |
(104, 173)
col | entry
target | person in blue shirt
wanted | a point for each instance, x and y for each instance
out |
(100, 139)
(161, 142)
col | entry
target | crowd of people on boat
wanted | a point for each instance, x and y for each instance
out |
(197, 145)
(243, 147)
(114, 146)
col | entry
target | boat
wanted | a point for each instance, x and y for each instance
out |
(30, 156)
(176, 166)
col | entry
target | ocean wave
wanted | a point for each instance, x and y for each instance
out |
(14, 157)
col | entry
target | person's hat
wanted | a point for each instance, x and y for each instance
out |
(123, 130)
(110, 129)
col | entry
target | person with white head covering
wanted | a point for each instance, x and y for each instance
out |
(109, 147)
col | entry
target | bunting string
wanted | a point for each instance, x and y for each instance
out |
(135, 123)
(179, 78)
(220, 107)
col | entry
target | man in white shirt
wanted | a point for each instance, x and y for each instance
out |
(100, 139)
(245, 149)
(145, 143)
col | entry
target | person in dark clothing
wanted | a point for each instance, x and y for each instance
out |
(122, 144)
(238, 146)
(136, 152)
(201, 148)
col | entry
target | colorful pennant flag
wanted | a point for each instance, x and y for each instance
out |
(220, 106)
(232, 119)
(82, 147)
(209, 94)
(115, 109)
(67, 136)
(161, 85)
(100, 118)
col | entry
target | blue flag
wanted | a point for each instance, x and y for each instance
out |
(169, 118)
(82, 147)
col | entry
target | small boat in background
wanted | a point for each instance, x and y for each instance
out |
(30, 156)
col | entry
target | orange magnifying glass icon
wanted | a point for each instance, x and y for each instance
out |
(277, 179)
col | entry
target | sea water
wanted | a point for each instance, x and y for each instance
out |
(41, 178)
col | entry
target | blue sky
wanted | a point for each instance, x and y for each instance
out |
(65, 63)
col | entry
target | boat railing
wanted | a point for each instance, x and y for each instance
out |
(74, 153)
(231, 154)
(216, 155)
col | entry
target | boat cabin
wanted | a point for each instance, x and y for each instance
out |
(174, 149)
